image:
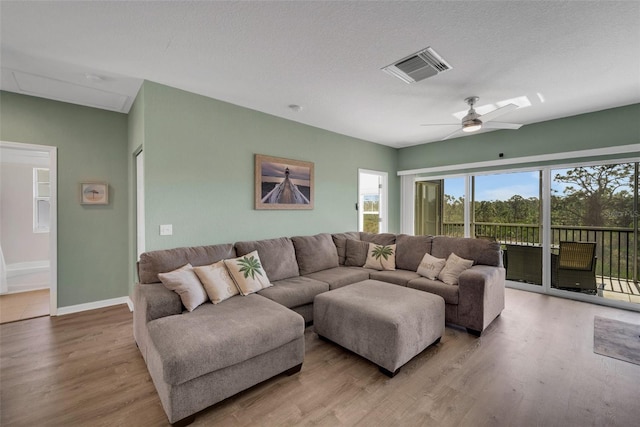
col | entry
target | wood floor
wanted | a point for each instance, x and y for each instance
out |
(534, 366)
(24, 305)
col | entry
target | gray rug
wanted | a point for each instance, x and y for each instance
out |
(616, 339)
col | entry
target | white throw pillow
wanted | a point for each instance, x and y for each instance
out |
(453, 268)
(247, 273)
(381, 257)
(185, 283)
(216, 281)
(431, 266)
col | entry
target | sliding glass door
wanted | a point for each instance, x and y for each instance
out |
(594, 227)
(569, 230)
(507, 209)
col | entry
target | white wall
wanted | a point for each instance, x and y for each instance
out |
(19, 242)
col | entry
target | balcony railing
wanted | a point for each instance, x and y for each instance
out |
(616, 248)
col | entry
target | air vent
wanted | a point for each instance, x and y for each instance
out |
(418, 66)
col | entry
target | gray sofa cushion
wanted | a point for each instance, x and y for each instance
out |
(410, 250)
(481, 251)
(397, 277)
(162, 261)
(294, 291)
(340, 276)
(356, 253)
(340, 240)
(448, 292)
(212, 337)
(277, 256)
(378, 239)
(315, 253)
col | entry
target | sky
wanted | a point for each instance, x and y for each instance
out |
(274, 172)
(502, 186)
(498, 187)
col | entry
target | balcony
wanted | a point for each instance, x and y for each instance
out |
(616, 251)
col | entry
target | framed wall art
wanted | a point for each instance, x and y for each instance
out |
(94, 193)
(283, 183)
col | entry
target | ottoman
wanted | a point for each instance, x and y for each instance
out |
(385, 323)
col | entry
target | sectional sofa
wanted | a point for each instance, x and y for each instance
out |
(200, 357)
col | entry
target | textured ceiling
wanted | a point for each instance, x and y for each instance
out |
(567, 57)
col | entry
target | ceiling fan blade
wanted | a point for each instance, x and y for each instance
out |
(441, 124)
(452, 134)
(497, 113)
(501, 125)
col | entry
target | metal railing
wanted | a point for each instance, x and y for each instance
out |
(615, 247)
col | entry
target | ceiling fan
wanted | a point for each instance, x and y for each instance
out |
(473, 121)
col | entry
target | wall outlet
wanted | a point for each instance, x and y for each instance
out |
(166, 229)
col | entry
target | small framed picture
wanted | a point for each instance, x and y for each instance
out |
(94, 193)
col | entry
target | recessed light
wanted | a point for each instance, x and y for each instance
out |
(296, 108)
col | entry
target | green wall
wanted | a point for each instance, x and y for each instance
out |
(199, 171)
(199, 160)
(91, 145)
(607, 128)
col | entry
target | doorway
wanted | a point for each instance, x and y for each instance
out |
(428, 208)
(372, 201)
(28, 231)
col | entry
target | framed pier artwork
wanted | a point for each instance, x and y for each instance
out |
(283, 183)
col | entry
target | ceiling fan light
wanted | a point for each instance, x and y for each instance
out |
(472, 126)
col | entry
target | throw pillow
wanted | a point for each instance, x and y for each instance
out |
(247, 273)
(356, 253)
(453, 268)
(185, 283)
(431, 266)
(217, 282)
(381, 257)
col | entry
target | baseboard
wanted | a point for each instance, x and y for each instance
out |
(19, 289)
(130, 304)
(94, 305)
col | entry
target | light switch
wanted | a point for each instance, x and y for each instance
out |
(166, 229)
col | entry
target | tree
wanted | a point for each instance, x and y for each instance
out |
(453, 209)
(594, 195)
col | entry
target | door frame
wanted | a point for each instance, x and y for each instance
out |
(138, 160)
(384, 197)
(53, 215)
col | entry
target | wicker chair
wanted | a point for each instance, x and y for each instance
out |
(575, 267)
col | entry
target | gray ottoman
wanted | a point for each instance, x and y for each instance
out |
(387, 324)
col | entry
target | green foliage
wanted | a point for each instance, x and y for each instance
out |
(250, 267)
(453, 208)
(371, 206)
(595, 196)
(382, 251)
(371, 223)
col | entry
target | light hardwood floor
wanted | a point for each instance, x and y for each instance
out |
(24, 305)
(534, 366)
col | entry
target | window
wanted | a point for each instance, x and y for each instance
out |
(569, 229)
(41, 203)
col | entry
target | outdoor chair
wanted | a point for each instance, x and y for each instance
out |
(524, 263)
(575, 267)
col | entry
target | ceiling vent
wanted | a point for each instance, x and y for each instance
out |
(418, 66)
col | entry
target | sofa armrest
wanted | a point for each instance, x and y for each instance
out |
(155, 301)
(481, 296)
(151, 301)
